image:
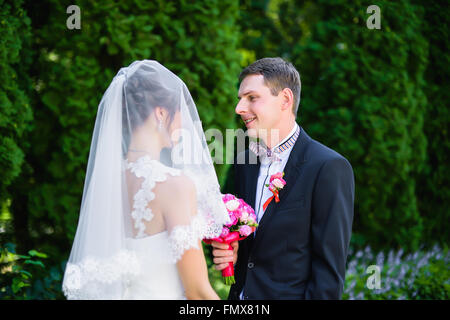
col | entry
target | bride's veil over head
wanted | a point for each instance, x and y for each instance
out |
(147, 130)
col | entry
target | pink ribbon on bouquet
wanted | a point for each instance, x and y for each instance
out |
(228, 272)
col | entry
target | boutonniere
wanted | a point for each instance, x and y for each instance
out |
(276, 183)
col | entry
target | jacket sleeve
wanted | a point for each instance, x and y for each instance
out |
(331, 224)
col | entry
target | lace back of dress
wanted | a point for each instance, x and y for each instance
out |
(142, 177)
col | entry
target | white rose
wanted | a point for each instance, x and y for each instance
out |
(232, 205)
(277, 183)
(244, 216)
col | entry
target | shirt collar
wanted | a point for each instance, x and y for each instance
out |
(278, 152)
(287, 137)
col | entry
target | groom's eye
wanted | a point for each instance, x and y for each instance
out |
(252, 98)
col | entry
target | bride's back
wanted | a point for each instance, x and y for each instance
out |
(160, 197)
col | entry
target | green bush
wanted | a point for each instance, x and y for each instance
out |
(433, 183)
(418, 275)
(25, 277)
(15, 109)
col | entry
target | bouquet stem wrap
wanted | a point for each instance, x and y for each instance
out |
(228, 272)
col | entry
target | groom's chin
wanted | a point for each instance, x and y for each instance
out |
(252, 133)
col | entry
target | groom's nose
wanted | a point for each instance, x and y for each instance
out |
(240, 107)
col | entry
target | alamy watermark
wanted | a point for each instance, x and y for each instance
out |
(374, 280)
(374, 20)
(74, 20)
(224, 148)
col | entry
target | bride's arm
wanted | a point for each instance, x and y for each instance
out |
(194, 275)
(180, 209)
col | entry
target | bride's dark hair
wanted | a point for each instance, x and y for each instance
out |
(143, 91)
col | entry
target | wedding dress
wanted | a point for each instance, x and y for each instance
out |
(160, 279)
(126, 246)
(157, 253)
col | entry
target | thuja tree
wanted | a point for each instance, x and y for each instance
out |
(15, 109)
(362, 95)
(433, 184)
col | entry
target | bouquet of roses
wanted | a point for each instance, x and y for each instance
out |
(242, 224)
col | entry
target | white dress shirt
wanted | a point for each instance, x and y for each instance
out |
(266, 169)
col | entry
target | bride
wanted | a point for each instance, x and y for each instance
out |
(146, 202)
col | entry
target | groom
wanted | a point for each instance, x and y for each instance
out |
(300, 248)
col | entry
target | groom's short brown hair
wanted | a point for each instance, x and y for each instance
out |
(278, 74)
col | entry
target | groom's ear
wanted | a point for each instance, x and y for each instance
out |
(288, 99)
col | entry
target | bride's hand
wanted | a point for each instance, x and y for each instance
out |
(222, 256)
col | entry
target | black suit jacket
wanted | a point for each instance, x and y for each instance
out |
(301, 244)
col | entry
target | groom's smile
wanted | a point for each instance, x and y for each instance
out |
(247, 121)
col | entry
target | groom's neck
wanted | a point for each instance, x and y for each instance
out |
(275, 135)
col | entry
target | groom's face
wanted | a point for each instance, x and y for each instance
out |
(258, 108)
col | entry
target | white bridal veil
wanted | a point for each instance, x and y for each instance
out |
(131, 152)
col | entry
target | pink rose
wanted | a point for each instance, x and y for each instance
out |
(245, 230)
(278, 183)
(225, 232)
(278, 175)
(227, 197)
(233, 220)
(251, 219)
(244, 216)
(237, 213)
(272, 188)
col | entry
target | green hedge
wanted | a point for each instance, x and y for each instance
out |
(376, 96)
(73, 68)
(15, 108)
(433, 183)
(26, 277)
(423, 274)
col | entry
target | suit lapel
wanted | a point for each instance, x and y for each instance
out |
(292, 172)
(251, 178)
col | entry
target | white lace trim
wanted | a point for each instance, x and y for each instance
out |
(185, 237)
(152, 171)
(210, 206)
(89, 279)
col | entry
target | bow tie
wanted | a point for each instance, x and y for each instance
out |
(266, 153)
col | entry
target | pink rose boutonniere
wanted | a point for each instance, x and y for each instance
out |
(276, 183)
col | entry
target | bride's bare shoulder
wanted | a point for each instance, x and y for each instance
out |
(177, 187)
